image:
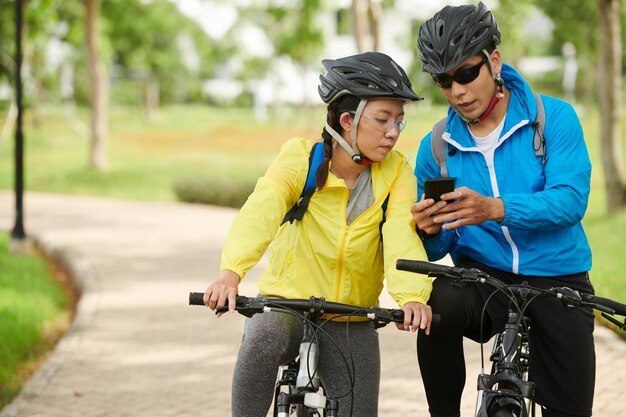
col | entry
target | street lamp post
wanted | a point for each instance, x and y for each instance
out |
(18, 235)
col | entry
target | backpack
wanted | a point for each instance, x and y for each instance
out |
(316, 157)
(439, 147)
(315, 160)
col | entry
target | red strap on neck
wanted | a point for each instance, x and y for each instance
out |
(496, 98)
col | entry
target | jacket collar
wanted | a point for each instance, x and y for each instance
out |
(522, 110)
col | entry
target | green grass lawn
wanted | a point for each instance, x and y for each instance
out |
(148, 158)
(35, 310)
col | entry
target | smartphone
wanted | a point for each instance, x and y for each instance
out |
(435, 187)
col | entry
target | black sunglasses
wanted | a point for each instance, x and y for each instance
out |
(463, 76)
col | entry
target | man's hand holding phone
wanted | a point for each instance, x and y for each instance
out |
(464, 207)
(424, 210)
(435, 187)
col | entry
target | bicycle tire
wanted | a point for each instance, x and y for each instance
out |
(302, 411)
(504, 413)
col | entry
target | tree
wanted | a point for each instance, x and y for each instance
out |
(146, 45)
(294, 32)
(610, 104)
(366, 15)
(509, 14)
(592, 26)
(577, 22)
(291, 29)
(99, 96)
(37, 25)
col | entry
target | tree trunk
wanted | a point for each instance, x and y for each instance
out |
(153, 92)
(9, 122)
(610, 105)
(359, 18)
(99, 89)
(375, 15)
(366, 15)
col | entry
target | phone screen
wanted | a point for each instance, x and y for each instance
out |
(435, 187)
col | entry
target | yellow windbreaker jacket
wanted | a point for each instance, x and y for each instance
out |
(321, 255)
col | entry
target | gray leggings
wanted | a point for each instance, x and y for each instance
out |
(273, 339)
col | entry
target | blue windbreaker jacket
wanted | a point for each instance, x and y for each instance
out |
(541, 233)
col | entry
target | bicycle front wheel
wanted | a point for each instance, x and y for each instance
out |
(506, 413)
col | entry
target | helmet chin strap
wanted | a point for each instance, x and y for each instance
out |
(353, 150)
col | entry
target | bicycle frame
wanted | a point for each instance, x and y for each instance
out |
(302, 380)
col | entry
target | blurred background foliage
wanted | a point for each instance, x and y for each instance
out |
(146, 42)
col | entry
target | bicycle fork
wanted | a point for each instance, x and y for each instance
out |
(307, 382)
(505, 392)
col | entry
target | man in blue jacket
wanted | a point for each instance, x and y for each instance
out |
(515, 213)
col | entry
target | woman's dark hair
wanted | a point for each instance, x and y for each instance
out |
(346, 103)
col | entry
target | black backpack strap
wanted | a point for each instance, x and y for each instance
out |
(439, 147)
(382, 221)
(315, 160)
(539, 142)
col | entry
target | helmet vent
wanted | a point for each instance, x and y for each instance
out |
(395, 66)
(467, 19)
(390, 81)
(440, 27)
(345, 70)
(479, 35)
(485, 18)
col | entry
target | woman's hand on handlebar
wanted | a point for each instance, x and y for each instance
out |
(223, 289)
(416, 315)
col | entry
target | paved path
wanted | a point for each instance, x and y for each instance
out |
(137, 349)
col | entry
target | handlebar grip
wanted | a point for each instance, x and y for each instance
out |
(619, 308)
(195, 298)
(398, 317)
(422, 267)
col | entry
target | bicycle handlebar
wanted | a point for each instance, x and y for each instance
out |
(569, 297)
(435, 270)
(249, 306)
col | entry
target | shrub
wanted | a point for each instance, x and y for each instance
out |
(216, 191)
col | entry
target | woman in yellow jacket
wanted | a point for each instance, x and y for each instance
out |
(336, 251)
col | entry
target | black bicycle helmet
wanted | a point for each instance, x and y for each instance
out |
(369, 75)
(455, 34)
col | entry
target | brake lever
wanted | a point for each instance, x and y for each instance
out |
(462, 275)
(381, 317)
(245, 306)
(572, 298)
(569, 297)
(614, 321)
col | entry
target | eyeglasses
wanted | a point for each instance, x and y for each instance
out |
(384, 125)
(463, 76)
